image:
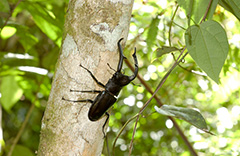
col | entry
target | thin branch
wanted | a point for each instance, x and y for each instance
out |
(5, 23)
(205, 15)
(143, 82)
(120, 132)
(179, 26)
(149, 100)
(170, 26)
(188, 70)
(160, 85)
(19, 134)
(160, 104)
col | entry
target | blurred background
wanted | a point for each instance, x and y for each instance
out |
(30, 41)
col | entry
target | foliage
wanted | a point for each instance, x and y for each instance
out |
(190, 115)
(208, 46)
(30, 40)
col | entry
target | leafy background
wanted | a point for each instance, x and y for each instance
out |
(30, 41)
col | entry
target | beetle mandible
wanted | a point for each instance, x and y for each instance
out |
(106, 98)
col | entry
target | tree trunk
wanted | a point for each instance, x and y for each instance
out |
(91, 32)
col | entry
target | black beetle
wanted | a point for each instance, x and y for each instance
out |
(106, 98)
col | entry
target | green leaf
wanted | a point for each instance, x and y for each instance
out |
(4, 6)
(10, 92)
(162, 51)
(20, 150)
(190, 115)
(195, 9)
(152, 33)
(26, 38)
(208, 45)
(50, 26)
(232, 6)
(165, 50)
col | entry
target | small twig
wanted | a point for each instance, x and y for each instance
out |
(19, 134)
(5, 23)
(189, 70)
(160, 104)
(170, 26)
(155, 92)
(194, 153)
(179, 26)
(120, 132)
(205, 15)
(160, 85)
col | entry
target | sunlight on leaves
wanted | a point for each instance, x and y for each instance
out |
(25, 37)
(10, 91)
(50, 26)
(8, 32)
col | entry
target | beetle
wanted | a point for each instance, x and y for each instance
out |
(106, 98)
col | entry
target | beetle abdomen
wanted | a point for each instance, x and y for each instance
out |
(100, 105)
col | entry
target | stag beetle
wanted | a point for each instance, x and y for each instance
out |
(106, 98)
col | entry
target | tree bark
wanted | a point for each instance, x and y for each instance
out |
(91, 32)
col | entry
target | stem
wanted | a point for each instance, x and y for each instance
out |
(185, 139)
(19, 134)
(121, 130)
(170, 26)
(160, 103)
(5, 23)
(205, 15)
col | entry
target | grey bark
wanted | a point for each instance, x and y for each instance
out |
(91, 31)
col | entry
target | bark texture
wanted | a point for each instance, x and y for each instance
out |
(91, 31)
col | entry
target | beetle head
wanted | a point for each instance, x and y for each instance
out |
(121, 79)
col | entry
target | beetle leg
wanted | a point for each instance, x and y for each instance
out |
(94, 78)
(86, 91)
(136, 66)
(107, 114)
(121, 56)
(85, 100)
